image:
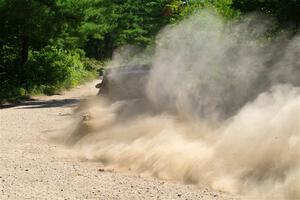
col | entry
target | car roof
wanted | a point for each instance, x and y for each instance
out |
(130, 69)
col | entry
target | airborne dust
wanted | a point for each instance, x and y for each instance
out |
(222, 108)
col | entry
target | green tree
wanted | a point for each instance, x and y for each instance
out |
(287, 12)
(110, 24)
(27, 24)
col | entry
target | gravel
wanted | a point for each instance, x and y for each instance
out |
(32, 168)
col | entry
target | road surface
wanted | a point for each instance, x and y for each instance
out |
(32, 168)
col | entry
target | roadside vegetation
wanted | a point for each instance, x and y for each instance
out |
(50, 45)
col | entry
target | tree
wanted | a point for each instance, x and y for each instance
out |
(285, 11)
(27, 24)
(110, 24)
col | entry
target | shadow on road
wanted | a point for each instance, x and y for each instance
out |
(43, 104)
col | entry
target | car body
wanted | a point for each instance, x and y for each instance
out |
(124, 82)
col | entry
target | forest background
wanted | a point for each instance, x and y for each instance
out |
(50, 45)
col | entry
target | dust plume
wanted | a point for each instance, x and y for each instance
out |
(222, 108)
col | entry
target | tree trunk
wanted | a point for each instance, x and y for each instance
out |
(108, 46)
(24, 49)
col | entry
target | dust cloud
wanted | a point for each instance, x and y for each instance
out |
(222, 108)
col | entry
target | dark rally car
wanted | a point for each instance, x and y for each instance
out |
(125, 82)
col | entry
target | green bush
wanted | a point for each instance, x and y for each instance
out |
(48, 71)
(53, 68)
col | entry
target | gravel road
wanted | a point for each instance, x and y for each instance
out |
(31, 168)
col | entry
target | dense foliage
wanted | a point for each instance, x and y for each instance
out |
(44, 44)
(287, 12)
